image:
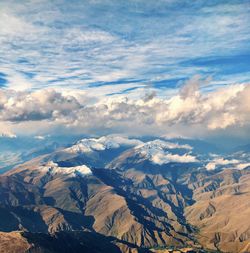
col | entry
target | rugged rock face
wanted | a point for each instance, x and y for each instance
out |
(63, 242)
(133, 207)
(13, 242)
(221, 210)
(137, 201)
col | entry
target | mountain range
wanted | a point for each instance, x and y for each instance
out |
(117, 194)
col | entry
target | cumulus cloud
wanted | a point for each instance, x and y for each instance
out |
(191, 88)
(163, 152)
(35, 106)
(220, 162)
(168, 158)
(219, 109)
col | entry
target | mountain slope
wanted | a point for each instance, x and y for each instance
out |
(61, 198)
(63, 242)
(155, 194)
(221, 210)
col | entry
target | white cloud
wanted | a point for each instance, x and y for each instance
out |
(85, 57)
(167, 158)
(227, 163)
(45, 104)
(81, 48)
(220, 109)
(221, 162)
(13, 26)
(159, 152)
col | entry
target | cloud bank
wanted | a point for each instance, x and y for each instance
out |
(48, 109)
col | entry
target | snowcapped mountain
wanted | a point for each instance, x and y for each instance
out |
(157, 151)
(102, 143)
(98, 152)
(162, 152)
(93, 152)
(52, 168)
(143, 194)
(157, 155)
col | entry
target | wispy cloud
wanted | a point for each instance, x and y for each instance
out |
(62, 44)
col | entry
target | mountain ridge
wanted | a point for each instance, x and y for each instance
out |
(132, 198)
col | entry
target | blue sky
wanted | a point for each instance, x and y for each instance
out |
(158, 44)
(99, 65)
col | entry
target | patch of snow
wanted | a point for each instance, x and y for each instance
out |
(102, 143)
(53, 169)
(163, 145)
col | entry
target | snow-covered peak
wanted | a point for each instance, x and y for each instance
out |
(54, 169)
(160, 144)
(159, 152)
(102, 143)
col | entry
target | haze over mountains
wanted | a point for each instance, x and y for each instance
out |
(130, 194)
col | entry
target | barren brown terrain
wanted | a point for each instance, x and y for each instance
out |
(131, 205)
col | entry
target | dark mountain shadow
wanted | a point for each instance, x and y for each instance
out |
(78, 221)
(75, 241)
(8, 221)
(16, 218)
(29, 219)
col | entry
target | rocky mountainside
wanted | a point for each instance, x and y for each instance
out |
(144, 196)
(221, 210)
(63, 242)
